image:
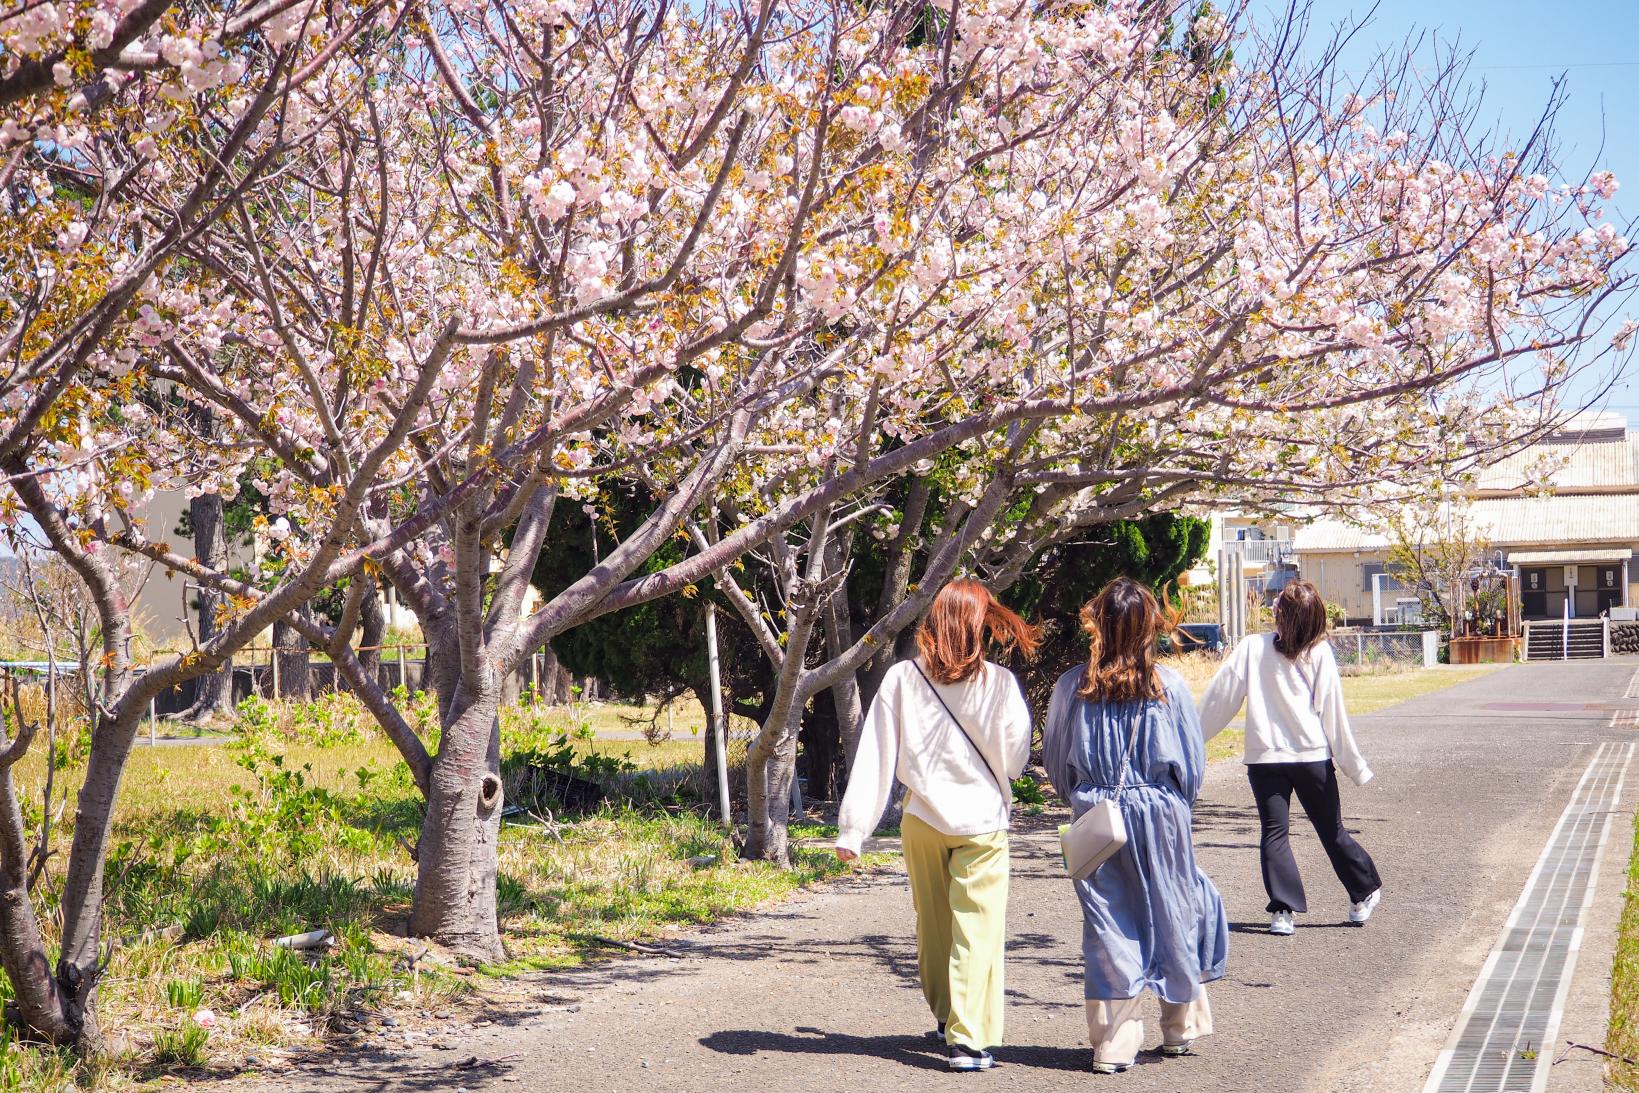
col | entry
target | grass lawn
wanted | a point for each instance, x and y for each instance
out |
(304, 822)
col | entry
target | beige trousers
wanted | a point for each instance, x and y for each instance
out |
(1115, 1026)
(959, 889)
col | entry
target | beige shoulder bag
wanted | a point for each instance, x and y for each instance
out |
(1098, 834)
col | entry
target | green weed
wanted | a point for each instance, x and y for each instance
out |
(185, 993)
(1027, 795)
(182, 1047)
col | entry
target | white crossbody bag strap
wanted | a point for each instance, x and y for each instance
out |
(1127, 759)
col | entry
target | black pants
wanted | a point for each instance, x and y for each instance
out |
(1316, 786)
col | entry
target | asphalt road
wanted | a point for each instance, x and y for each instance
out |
(820, 993)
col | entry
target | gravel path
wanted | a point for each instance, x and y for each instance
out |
(820, 992)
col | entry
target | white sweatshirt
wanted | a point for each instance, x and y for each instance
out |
(1294, 709)
(908, 733)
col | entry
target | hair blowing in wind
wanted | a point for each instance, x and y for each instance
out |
(952, 635)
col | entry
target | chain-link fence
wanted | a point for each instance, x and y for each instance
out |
(1367, 650)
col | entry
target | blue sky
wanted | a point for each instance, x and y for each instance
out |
(1519, 48)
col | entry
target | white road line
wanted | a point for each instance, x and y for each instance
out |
(1554, 888)
(1633, 686)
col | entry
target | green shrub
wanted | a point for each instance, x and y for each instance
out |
(1028, 796)
(327, 721)
(534, 751)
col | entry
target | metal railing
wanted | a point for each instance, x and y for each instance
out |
(1261, 551)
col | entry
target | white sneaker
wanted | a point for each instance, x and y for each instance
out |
(1108, 1068)
(1174, 1051)
(1360, 912)
(1281, 924)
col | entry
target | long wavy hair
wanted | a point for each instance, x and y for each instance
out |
(953, 632)
(1122, 624)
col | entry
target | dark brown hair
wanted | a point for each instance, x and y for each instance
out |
(1122, 623)
(952, 635)
(1300, 619)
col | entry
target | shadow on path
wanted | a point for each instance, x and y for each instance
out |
(374, 1072)
(912, 1051)
(1263, 927)
(915, 1052)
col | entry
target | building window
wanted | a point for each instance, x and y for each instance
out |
(1368, 570)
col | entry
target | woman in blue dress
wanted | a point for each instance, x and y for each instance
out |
(1152, 919)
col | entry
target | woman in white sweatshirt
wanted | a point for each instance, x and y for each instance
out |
(955, 729)
(1297, 735)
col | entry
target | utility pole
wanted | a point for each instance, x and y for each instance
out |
(718, 733)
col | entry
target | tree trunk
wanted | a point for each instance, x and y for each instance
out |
(845, 696)
(291, 650)
(556, 682)
(214, 695)
(512, 687)
(441, 668)
(455, 898)
(822, 748)
(770, 768)
(78, 964)
(372, 631)
(37, 1005)
(782, 773)
(757, 758)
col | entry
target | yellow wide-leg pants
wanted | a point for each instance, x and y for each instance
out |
(959, 889)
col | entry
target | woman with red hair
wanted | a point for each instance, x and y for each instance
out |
(954, 728)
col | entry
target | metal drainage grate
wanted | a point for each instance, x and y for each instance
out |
(1505, 1034)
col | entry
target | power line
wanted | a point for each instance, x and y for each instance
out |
(1583, 64)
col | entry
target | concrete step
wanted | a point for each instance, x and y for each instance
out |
(1582, 639)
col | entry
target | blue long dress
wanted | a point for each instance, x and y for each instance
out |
(1152, 918)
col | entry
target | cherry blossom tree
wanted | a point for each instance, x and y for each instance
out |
(1241, 287)
(130, 150)
(766, 259)
(66, 59)
(550, 262)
